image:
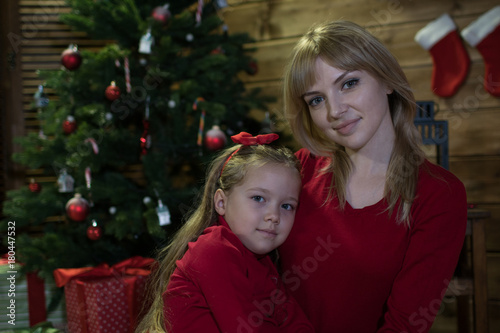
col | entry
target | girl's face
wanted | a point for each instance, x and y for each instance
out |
(350, 107)
(261, 209)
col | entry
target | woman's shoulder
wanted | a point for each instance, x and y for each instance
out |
(304, 155)
(437, 181)
(311, 162)
(433, 173)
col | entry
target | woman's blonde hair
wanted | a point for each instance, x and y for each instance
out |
(347, 46)
(234, 163)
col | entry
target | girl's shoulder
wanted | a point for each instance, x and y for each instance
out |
(217, 239)
(213, 258)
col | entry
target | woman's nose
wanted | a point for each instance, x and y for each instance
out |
(335, 108)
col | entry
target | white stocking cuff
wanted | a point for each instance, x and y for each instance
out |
(475, 32)
(433, 32)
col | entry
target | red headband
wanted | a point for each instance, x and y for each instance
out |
(246, 139)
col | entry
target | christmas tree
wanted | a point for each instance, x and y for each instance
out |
(159, 101)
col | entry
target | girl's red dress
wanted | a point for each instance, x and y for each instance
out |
(221, 286)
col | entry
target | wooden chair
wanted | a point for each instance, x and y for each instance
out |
(464, 285)
(476, 221)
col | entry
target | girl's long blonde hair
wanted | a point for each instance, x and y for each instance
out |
(234, 170)
(347, 46)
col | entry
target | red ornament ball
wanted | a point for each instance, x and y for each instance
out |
(112, 91)
(217, 50)
(161, 14)
(253, 68)
(34, 186)
(94, 232)
(69, 125)
(215, 138)
(77, 208)
(71, 58)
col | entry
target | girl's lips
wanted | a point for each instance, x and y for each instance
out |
(268, 233)
(346, 127)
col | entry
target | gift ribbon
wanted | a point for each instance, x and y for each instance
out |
(133, 266)
(126, 270)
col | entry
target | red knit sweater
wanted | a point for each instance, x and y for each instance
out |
(221, 286)
(360, 271)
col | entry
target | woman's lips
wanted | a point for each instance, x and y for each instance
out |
(347, 126)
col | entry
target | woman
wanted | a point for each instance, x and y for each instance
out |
(379, 228)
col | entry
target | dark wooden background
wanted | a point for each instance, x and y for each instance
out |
(32, 38)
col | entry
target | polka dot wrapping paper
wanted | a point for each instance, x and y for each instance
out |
(104, 299)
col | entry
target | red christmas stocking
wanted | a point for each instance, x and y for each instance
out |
(484, 35)
(450, 59)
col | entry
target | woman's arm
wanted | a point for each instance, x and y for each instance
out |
(437, 235)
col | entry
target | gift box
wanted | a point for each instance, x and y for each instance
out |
(104, 298)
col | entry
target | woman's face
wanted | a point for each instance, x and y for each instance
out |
(350, 107)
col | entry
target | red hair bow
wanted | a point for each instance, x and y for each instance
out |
(247, 139)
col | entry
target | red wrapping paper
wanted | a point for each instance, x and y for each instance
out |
(104, 298)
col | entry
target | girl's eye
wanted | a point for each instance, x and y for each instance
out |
(257, 198)
(288, 207)
(315, 101)
(350, 83)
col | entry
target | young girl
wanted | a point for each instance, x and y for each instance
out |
(217, 275)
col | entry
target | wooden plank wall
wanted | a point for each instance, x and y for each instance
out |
(44, 38)
(473, 114)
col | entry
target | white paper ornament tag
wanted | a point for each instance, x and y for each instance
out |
(41, 99)
(147, 41)
(65, 182)
(163, 214)
(221, 3)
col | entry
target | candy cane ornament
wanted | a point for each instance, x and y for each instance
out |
(199, 10)
(202, 121)
(127, 75)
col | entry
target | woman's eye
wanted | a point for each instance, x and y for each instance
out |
(315, 101)
(350, 83)
(257, 198)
